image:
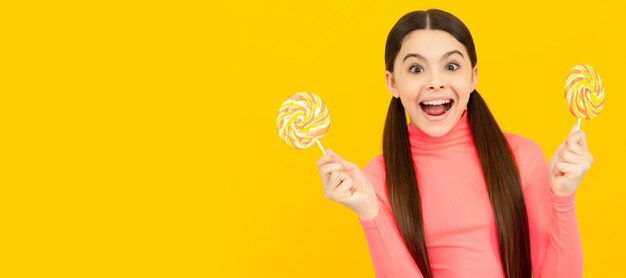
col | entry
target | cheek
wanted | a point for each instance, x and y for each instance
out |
(409, 87)
(462, 86)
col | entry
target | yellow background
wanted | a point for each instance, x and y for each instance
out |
(138, 139)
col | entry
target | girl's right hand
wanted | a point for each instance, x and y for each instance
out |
(345, 183)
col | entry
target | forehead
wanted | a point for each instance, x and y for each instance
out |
(431, 44)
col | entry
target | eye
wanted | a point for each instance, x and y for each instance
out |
(452, 67)
(416, 69)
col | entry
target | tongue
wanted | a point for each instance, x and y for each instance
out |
(434, 110)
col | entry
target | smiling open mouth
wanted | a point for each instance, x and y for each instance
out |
(436, 107)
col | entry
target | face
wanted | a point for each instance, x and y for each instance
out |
(433, 77)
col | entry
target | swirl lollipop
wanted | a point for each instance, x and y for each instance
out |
(584, 92)
(302, 119)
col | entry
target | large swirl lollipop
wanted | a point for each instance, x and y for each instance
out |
(302, 119)
(584, 92)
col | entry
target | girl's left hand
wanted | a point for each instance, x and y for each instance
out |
(569, 163)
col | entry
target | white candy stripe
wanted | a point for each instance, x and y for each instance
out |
(297, 125)
(584, 92)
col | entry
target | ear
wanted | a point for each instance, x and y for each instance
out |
(390, 81)
(474, 77)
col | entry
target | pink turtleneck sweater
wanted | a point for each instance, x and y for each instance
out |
(459, 225)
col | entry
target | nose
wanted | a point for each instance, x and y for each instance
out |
(436, 83)
(436, 86)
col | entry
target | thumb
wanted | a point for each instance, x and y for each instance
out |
(347, 165)
(329, 151)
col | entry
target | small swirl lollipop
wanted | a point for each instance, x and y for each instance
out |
(584, 92)
(302, 119)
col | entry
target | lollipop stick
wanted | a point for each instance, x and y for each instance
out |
(320, 145)
(578, 124)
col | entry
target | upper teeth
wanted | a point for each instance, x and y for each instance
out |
(436, 102)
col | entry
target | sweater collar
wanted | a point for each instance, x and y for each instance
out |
(460, 134)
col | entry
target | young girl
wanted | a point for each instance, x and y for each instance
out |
(451, 195)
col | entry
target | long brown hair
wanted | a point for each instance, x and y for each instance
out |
(498, 166)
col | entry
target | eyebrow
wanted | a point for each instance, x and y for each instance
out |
(442, 57)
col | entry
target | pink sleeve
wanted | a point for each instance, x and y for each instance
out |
(554, 238)
(389, 254)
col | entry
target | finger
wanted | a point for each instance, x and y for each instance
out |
(343, 189)
(583, 140)
(569, 170)
(341, 160)
(561, 149)
(575, 137)
(576, 148)
(328, 188)
(332, 153)
(326, 159)
(556, 171)
(348, 166)
(327, 169)
(336, 177)
(572, 158)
